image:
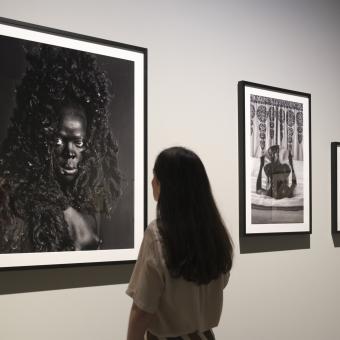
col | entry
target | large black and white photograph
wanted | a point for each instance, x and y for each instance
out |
(72, 148)
(276, 159)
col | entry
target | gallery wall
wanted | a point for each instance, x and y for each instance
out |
(281, 287)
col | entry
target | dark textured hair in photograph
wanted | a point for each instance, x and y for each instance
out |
(197, 244)
(56, 79)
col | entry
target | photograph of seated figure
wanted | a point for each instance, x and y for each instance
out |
(277, 183)
(277, 175)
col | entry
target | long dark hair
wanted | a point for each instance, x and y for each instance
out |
(196, 242)
(55, 77)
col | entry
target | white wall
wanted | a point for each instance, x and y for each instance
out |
(281, 287)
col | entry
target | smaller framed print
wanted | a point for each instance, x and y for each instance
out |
(335, 169)
(274, 160)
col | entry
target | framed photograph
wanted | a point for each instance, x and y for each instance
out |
(335, 178)
(274, 160)
(73, 127)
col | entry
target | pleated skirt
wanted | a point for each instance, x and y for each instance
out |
(207, 335)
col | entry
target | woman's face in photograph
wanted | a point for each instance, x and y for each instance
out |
(69, 143)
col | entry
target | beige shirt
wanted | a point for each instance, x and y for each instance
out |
(179, 306)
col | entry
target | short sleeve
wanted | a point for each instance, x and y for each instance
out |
(147, 281)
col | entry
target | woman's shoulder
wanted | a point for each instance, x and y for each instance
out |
(152, 231)
(152, 239)
(152, 225)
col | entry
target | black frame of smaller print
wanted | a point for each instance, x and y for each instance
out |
(276, 102)
(335, 146)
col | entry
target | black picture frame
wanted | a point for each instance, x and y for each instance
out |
(270, 201)
(124, 67)
(335, 149)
